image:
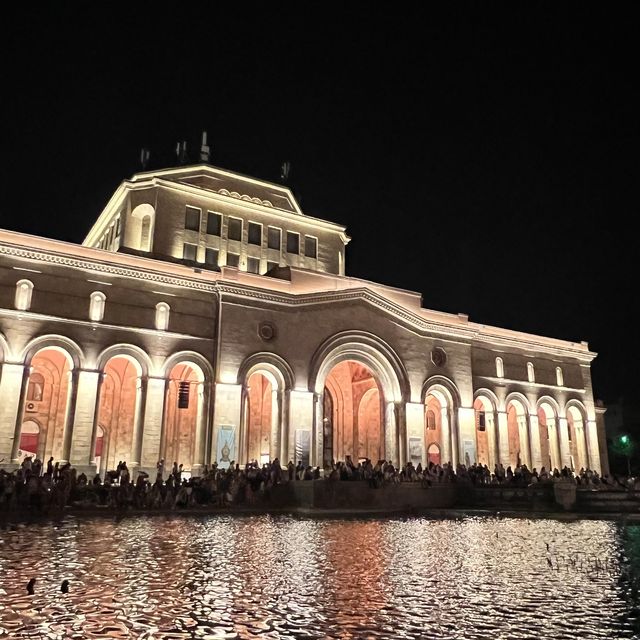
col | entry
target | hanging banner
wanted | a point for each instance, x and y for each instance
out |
(226, 445)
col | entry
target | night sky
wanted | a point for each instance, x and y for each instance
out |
(485, 155)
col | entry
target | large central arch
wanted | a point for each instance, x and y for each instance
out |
(385, 367)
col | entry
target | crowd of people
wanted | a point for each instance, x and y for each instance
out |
(34, 486)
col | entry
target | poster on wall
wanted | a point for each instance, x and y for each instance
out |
(226, 445)
(302, 442)
(469, 453)
(415, 451)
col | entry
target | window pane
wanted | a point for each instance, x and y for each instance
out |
(271, 265)
(310, 247)
(293, 242)
(214, 223)
(192, 219)
(253, 265)
(233, 259)
(274, 238)
(189, 251)
(211, 257)
(255, 233)
(235, 229)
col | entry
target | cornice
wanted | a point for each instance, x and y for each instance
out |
(106, 268)
(324, 297)
(472, 333)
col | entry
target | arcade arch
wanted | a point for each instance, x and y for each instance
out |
(549, 434)
(441, 400)
(486, 430)
(119, 412)
(576, 423)
(43, 429)
(517, 432)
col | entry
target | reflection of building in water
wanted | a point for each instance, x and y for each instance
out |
(206, 317)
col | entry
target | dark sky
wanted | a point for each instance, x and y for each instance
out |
(483, 154)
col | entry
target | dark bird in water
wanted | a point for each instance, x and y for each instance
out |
(30, 586)
(64, 587)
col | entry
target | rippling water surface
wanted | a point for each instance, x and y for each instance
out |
(285, 577)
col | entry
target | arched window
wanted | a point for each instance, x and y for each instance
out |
(431, 419)
(140, 235)
(559, 377)
(531, 374)
(24, 289)
(145, 234)
(162, 316)
(96, 306)
(499, 368)
(35, 390)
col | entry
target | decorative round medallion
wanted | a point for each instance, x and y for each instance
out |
(266, 331)
(438, 356)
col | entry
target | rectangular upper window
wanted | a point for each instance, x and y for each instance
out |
(233, 259)
(192, 219)
(274, 238)
(235, 229)
(253, 265)
(214, 223)
(255, 233)
(310, 247)
(211, 257)
(189, 251)
(293, 242)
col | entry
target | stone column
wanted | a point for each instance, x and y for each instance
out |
(503, 439)
(390, 433)
(466, 421)
(13, 381)
(274, 440)
(201, 429)
(72, 396)
(138, 426)
(286, 429)
(449, 418)
(152, 431)
(227, 410)
(523, 433)
(85, 419)
(318, 435)
(243, 436)
(554, 442)
(581, 436)
(414, 421)
(593, 448)
(401, 428)
(446, 444)
(534, 439)
(492, 439)
(565, 449)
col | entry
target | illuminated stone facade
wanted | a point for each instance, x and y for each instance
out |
(207, 319)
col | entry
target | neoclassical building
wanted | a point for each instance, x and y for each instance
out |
(206, 318)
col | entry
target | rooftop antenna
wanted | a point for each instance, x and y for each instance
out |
(205, 153)
(181, 152)
(285, 169)
(144, 157)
